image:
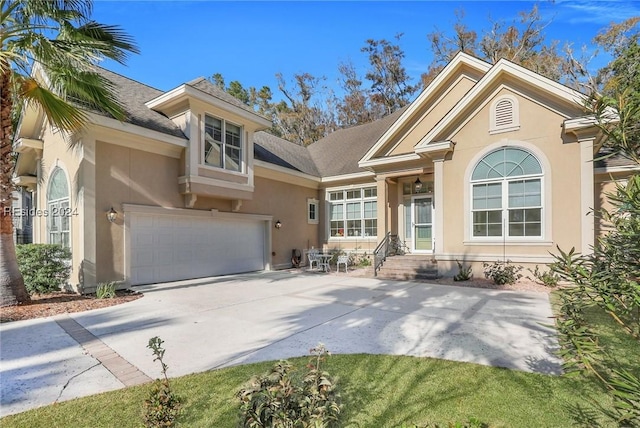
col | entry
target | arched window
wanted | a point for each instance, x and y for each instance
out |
(58, 209)
(507, 200)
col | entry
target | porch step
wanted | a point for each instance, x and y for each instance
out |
(409, 267)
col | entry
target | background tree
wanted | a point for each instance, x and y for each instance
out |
(59, 37)
(390, 84)
(521, 41)
(305, 116)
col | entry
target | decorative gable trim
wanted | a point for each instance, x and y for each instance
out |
(502, 67)
(460, 60)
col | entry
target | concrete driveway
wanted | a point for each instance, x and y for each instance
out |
(217, 322)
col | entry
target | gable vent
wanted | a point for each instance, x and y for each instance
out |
(504, 113)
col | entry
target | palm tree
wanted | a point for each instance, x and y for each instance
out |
(59, 37)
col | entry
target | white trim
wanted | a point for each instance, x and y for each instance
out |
(504, 66)
(546, 180)
(130, 128)
(184, 179)
(414, 240)
(616, 169)
(458, 61)
(315, 202)
(343, 177)
(23, 144)
(515, 115)
(492, 257)
(188, 91)
(261, 168)
(388, 160)
(434, 147)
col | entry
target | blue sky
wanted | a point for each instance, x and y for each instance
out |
(252, 41)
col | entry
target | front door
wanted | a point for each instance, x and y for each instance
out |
(422, 223)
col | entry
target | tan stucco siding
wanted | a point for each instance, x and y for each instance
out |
(286, 202)
(125, 175)
(57, 153)
(431, 114)
(540, 132)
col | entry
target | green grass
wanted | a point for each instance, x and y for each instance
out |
(377, 391)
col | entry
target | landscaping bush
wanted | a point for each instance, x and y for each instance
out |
(502, 272)
(106, 290)
(464, 273)
(162, 407)
(282, 398)
(45, 267)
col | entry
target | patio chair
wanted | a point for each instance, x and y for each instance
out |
(343, 260)
(313, 258)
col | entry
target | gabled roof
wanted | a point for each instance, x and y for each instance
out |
(133, 95)
(277, 151)
(209, 88)
(460, 61)
(544, 87)
(339, 152)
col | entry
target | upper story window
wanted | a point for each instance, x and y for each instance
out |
(505, 115)
(58, 209)
(353, 213)
(222, 144)
(507, 199)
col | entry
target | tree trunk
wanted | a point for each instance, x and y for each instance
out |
(12, 289)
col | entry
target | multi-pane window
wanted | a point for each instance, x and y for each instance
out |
(312, 211)
(58, 209)
(506, 192)
(353, 213)
(222, 144)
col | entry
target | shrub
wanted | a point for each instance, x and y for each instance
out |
(464, 273)
(162, 407)
(282, 398)
(502, 272)
(106, 290)
(548, 278)
(45, 267)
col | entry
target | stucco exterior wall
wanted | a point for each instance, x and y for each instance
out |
(541, 133)
(125, 175)
(57, 153)
(432, 114)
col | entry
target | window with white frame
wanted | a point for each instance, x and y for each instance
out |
(505, 115)
(353, 213)
(222, 144)
(506, 192)
(58, 209)
(312, 211)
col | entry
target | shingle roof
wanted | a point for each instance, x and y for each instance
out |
(277, 151)
(209, 88)
(616, 160)
(339, 152)
(133, 95)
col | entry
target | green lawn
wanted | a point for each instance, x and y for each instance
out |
(377, 391)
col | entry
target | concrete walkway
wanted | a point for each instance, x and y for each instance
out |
(218, 322)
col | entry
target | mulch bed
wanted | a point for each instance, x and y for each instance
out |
(50, 304)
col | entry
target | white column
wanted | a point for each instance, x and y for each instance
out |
(383, 202)
(438, 202)
(586, 195)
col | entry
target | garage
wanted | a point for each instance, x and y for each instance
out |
(175, 244)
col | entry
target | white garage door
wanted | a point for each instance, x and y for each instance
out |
(170, 248)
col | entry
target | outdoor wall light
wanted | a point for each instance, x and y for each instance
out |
(278, 224)
(417, 185)
(112, 215)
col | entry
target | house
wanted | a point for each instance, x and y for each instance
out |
(490, 162)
